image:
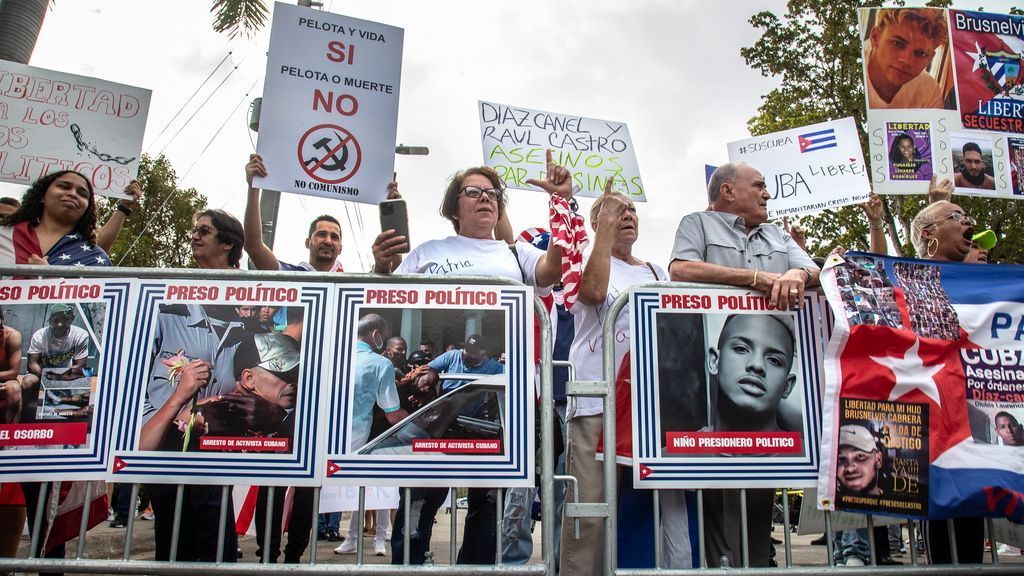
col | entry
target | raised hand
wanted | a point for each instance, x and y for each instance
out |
(254, 168)
(557, 180)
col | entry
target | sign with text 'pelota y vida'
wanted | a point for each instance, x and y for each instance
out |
(515, 139)
(808, 169)
(52, 121)
(330, 105)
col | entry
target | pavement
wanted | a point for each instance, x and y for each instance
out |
(105, 542)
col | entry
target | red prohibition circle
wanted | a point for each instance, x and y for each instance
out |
(350, 138)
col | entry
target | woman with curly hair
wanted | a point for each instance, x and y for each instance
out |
(56, 224)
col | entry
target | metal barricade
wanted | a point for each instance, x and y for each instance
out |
(80, 563)
(608, 508)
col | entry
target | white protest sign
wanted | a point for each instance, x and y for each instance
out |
(808, 169)
(515, 139)
(346, 498)
(330, 105)
(52, 121)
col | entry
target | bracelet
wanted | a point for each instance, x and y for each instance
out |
(881, 225)
(124, 210)
(753, 283)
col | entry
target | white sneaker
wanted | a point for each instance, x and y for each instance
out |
(379, 548)
(346, 547)
(854, 561)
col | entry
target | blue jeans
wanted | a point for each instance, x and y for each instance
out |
(852, 543)
(328, 521)
(517, 526)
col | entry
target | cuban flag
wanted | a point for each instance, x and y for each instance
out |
(987, 65)
(19, 242)
(939, 341)
(817, 140)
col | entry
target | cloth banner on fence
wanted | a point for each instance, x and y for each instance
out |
(925, 388)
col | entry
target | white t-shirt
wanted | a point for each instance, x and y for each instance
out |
(587, 350)
(473, 256)
(59, 352)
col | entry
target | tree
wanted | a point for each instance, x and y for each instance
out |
(815, 49)
(239, 16)
(166, 214)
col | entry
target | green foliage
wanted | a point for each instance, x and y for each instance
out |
(239, 16)
(168, 211)
(815, 48)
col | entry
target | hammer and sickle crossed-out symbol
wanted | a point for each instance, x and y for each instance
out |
(325, 145)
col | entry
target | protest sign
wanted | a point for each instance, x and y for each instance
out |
(52, 121)
(964, 83)
(330, 105)
(812, 520)
(808, 169)
(346, 498)
(56, 413)
(702, 416)
(475, 430)
(515, 139)
(925, 392)
(226, 386)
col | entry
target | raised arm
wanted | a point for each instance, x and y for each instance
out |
(875, 213)
(108, 234)
(558, 181)
(262, 257)
(594, 281)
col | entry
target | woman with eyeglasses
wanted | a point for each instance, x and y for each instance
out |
(475, 204)
(942, 232)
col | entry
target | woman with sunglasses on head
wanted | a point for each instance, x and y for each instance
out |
(475, 204)
(943, 232)
(55, 225)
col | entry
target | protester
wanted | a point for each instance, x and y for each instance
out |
(981, 244)
(55, 224)
(733, 243)
(943, 232)
(193, 362)
(903, 44)
(12, 502)
(474, 203)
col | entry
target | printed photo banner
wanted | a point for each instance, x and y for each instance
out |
(60, 369)
(222, 384)
(726, 390)
(329, 115)
(808, 169)
(925, 388)
(52, 121)
(960, 101)
(515, 141)
(471, 425)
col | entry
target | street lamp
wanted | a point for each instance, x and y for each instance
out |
(412, 150)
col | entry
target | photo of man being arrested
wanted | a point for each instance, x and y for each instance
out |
(399, 407)
(62, 356)
(223, 372)
(905, 52)
(750, 379)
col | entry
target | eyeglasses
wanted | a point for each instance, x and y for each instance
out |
(203, 230)
(959, 217)
(476, 191)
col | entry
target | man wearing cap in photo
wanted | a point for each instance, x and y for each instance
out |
(859, 462)
(61, 346)
(472, 359)
(981, 243)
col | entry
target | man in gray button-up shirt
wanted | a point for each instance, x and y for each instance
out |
(734, 244)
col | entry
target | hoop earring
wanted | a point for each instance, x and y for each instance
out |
(932, 247)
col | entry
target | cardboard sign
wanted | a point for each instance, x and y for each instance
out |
(515, 139)
(330, 105)
(52, 121)
(808, 169)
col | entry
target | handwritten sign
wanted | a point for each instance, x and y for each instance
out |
(515, 139)
(52, 121)
(330, 105)
(808, 169)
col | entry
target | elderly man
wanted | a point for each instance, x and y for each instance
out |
(903, 44)
(972, 170)
(732, 243)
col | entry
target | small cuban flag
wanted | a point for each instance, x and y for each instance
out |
(817, 140)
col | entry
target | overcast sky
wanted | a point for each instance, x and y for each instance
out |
(670, 69)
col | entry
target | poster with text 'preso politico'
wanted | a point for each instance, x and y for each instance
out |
(515, 141)
(956, 73)
(725, 389)
(330, 105)
(808, 169)
(61, 348)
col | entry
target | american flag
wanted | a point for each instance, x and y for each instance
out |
(19, 242)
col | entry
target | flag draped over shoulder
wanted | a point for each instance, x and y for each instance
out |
(925, 380)
(19, 242)
(65, 504)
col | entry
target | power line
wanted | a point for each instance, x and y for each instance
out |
(180, 110)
